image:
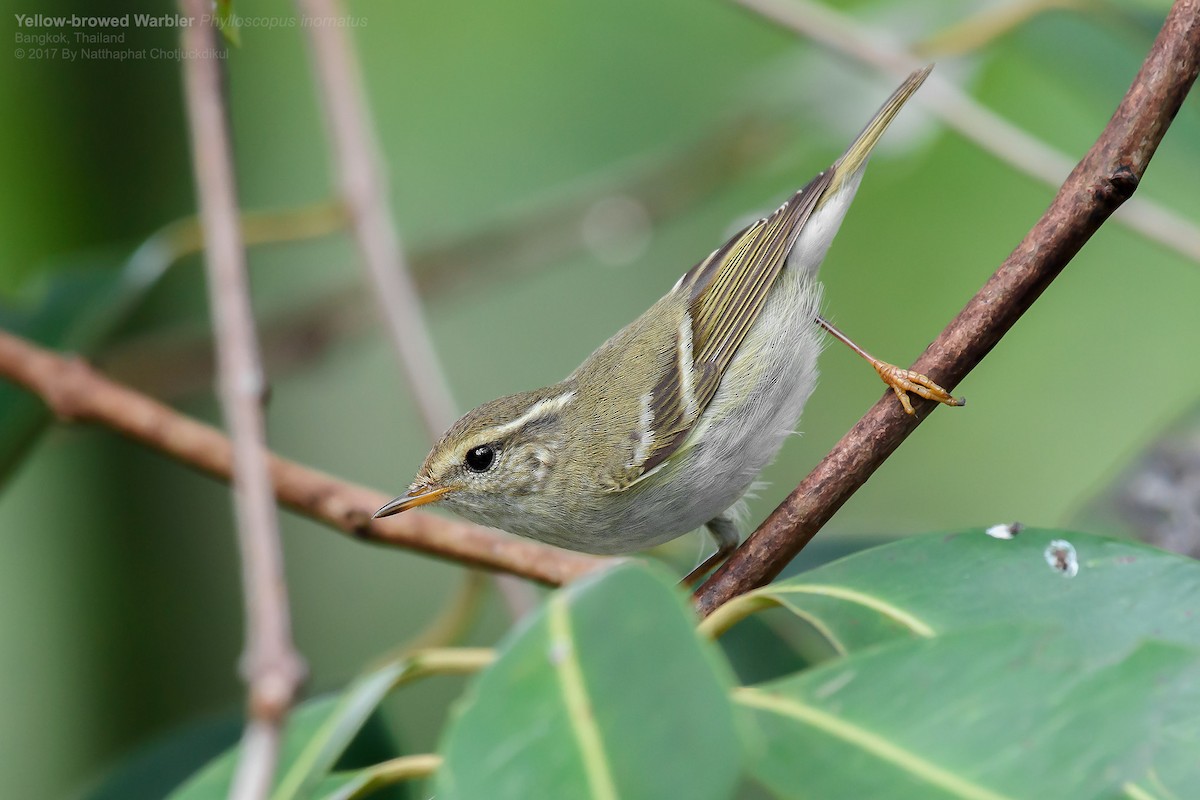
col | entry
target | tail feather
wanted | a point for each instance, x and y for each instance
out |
(856, 155)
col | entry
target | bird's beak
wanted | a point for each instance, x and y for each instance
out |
(414, 498)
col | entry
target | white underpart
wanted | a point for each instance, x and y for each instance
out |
(687, 375)
(756, 406)
(541, 408)
(645, 432)
(813, 243)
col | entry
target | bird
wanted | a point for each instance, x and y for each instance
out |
(667, 425)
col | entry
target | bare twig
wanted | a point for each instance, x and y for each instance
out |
(364, 189)
(988, 24)
(390, 773)
(1105, 178)
(992, 133)
(271, 666)
(74, 391)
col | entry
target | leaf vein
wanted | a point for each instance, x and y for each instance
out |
(869, 742)
(579, 708)
(910, 621)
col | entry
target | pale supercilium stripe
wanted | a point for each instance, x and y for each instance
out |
(541, 408)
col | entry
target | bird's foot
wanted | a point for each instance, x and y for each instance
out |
(904, 381)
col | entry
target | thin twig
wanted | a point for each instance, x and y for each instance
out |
(389, 773)
(271, 666)
(364, 188)
(76, 392)
(1104, 179)
(989, 23)
(992, 133)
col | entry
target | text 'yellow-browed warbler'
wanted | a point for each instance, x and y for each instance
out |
(666, 426)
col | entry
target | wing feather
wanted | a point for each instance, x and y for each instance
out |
(726, 293)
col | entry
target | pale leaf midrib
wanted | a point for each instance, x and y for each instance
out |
(910, 621)
(868, 742)
(579, 713)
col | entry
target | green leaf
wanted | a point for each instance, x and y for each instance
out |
(321, 733)
(336, 730)
(605, 692)
(369, 781)
(227, 22)
(312, 721)
(65, 315)
(928, 585)
(1001, 712)
(151, 771)
(356, 705)
(1173, 775)
(76, 309)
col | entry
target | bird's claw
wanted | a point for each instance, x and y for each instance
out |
(904, 381)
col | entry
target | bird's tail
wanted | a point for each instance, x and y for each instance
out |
(856, 155)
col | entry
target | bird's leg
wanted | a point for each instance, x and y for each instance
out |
(902, 381)
(725, 533)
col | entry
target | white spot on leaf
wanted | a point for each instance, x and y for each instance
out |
(1007, 530)
(1060, 555)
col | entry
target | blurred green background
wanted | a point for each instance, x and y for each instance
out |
(119, 598)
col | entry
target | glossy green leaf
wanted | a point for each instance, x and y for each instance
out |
(606, 692)
(64, 316)
(74, 310)
(344, 786)
(151, 771)
(227, 22)
(1174, 773)
(366, 743)
(928, 585)
(989, 714)
(370, 781)
(336, 730)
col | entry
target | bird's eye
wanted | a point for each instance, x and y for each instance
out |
(478, 459)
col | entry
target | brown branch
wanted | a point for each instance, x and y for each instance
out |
(1105, 178)
(76, 392)
(271, 667)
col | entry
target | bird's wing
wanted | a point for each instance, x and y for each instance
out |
(725, 294)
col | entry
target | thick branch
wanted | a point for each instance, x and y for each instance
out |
(74, 391)
(1105, 178)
